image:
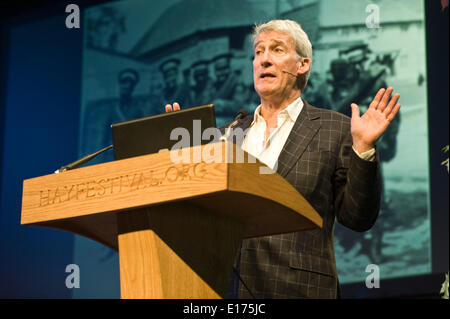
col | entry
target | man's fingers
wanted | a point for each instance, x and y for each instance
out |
(384, 101)
(355, 110)
(394, 112)
(392, 103)
(377, 98)
(176, 107)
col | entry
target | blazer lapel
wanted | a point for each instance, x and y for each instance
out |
(304, 129)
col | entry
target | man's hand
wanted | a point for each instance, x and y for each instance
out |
(368, 128)
(176, 107)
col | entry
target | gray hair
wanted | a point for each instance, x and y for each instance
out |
(302, 45)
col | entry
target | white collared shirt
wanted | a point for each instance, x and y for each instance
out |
(269, 151)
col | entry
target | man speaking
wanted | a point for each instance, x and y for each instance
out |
(328, 157)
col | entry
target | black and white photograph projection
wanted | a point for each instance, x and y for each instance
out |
(140, 55)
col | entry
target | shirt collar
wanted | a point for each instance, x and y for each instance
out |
(293, 110)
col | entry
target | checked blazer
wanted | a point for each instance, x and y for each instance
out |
(318, 160)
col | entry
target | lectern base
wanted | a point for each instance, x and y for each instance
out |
(176, 251)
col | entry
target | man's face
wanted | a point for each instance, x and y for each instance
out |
(126, 86)
(201, 76)
(222, 70)
(170, 77)
(274, 53)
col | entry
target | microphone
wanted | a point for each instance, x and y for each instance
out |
(290, 73)
(82, 160)
(242, 113)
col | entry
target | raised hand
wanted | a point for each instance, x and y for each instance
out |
(176, 107)
(366, 129)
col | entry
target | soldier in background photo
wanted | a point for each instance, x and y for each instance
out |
(229, 93)
(173, 90)
(201, 90)
(101, 113)
(318, 90)
(226, 80)
(129, 107)
(352, 81)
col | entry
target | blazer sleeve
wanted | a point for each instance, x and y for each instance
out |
(357, 187)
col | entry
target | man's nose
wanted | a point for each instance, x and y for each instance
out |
(266, 59)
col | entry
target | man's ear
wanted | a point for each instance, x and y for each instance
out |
(303, 66)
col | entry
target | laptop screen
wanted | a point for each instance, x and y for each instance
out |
(150, 134)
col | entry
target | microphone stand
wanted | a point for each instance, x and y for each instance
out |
(82, 160)
(242, 113)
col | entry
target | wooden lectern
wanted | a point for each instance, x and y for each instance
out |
(177, 218)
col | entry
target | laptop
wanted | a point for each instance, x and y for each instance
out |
(151, 134)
